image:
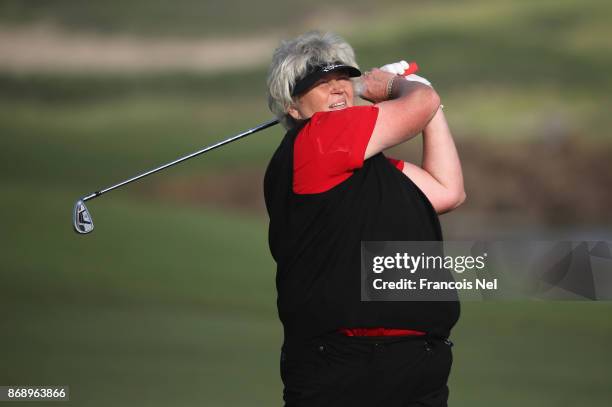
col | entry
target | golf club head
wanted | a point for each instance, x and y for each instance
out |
(81, 219)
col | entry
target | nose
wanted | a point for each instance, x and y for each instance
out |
(337, 85)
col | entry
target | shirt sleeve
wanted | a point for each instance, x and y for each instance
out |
(399, 164)
(344, 134)
(331, 146)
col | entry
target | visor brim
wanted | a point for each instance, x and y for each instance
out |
(310, 79)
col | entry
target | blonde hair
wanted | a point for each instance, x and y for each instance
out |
(292, 59)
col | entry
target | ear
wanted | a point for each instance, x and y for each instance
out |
(294, 112)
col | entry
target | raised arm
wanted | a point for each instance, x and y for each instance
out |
(403, 112)
(440, 176)
(409, 111)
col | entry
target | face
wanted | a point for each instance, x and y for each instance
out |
(333, 91)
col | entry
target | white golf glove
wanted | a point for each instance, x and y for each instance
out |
(400, 67)
(397, 68)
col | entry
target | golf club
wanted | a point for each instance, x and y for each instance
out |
(81, 217)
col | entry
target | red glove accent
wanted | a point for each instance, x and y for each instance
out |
(412, 68)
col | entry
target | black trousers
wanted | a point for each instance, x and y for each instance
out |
(337, 370)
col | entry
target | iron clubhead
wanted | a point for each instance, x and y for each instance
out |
(81, 219)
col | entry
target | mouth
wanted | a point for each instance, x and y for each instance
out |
(337, 105)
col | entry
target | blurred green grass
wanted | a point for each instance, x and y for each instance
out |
(176, 310)
(505, 70)
(176, 18)
(130, 255)
(169, 303)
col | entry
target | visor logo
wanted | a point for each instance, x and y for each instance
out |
(330, 67)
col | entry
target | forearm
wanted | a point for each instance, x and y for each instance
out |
(440, 157)
(439, 176)
(416, 94)
(403, 116)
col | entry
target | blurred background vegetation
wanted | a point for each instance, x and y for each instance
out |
(171, 300)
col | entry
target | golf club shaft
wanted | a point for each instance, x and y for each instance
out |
(179, 160)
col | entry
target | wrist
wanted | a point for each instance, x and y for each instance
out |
(400, 87)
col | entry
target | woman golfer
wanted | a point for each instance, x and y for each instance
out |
(329, 187)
